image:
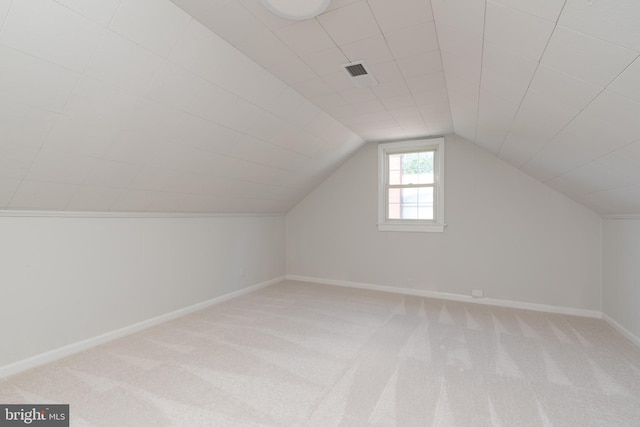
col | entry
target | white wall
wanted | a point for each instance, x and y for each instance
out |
(507, 233)
(64, 280)
(621, 274)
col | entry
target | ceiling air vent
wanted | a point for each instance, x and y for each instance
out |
(358, 73)
(356, 70)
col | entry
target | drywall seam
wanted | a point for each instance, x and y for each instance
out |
(621, 329)
(454, 297)
(59, 353)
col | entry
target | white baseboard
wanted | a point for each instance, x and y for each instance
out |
(621, 329)
(454, 297)
(68, 350)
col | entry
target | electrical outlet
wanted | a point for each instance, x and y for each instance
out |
(477, 293)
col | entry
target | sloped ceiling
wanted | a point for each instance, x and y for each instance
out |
(135, 106)
(220, 106)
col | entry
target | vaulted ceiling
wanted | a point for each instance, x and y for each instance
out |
(221, 106)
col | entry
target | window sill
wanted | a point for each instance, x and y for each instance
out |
(414, 228)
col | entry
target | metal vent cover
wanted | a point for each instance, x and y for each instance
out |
(357, 72)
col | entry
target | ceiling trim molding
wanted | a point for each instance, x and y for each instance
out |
(63, 214)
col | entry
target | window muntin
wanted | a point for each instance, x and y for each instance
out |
(411, 186)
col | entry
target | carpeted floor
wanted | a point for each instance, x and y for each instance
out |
(299, 354)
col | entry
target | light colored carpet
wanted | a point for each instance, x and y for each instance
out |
(297, 354)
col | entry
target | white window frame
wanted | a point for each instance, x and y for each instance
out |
(412, 225)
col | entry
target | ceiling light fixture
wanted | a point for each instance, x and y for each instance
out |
(296, 9)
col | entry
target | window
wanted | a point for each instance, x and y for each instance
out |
(411, 185)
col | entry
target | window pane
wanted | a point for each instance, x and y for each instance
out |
(395, 177)
(395, 169)
(425, 203)
(410, 203)
(411, 168)
(394, 207)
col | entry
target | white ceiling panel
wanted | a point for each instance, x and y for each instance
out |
(113, 174)
(287, 104)
(590, 178)
(100, 11)
(271, 21)
(524, 139)
(153, 25)
(371, 50)
(358, 95)
(269, 52)
(39, 195)
(350, 23)
(96, 100)
(399, 102)
(401, 13)
(8, 187)
(505, 74)
(231, 16)
(337, 4)
(212, 103)
(339, 80)
(494, 117)
(462, 67)
(593, 138)
(539, 119)
(616, 21)
(420, 64)
(212, 58)
(465, 16)
(326, 61)
(78, 135)
(464, 110)
(565, 153)
(221, 106)
(391, 90)
(547, 9)
(628, 82)
(554, 113)
(135, 201)
(313, 89)
(428, 88)
(586, 57)
(618, 201)
(564, 88)
(517, 31)
(15, 159)
(195, 132)
(413, 40)
(50, 31)
(176, 87)
(614, 108)
(89, 198)
(293, 71)
(305, 37)
(24, 125)
(33, 81)
(4, 9)
(122, 63)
